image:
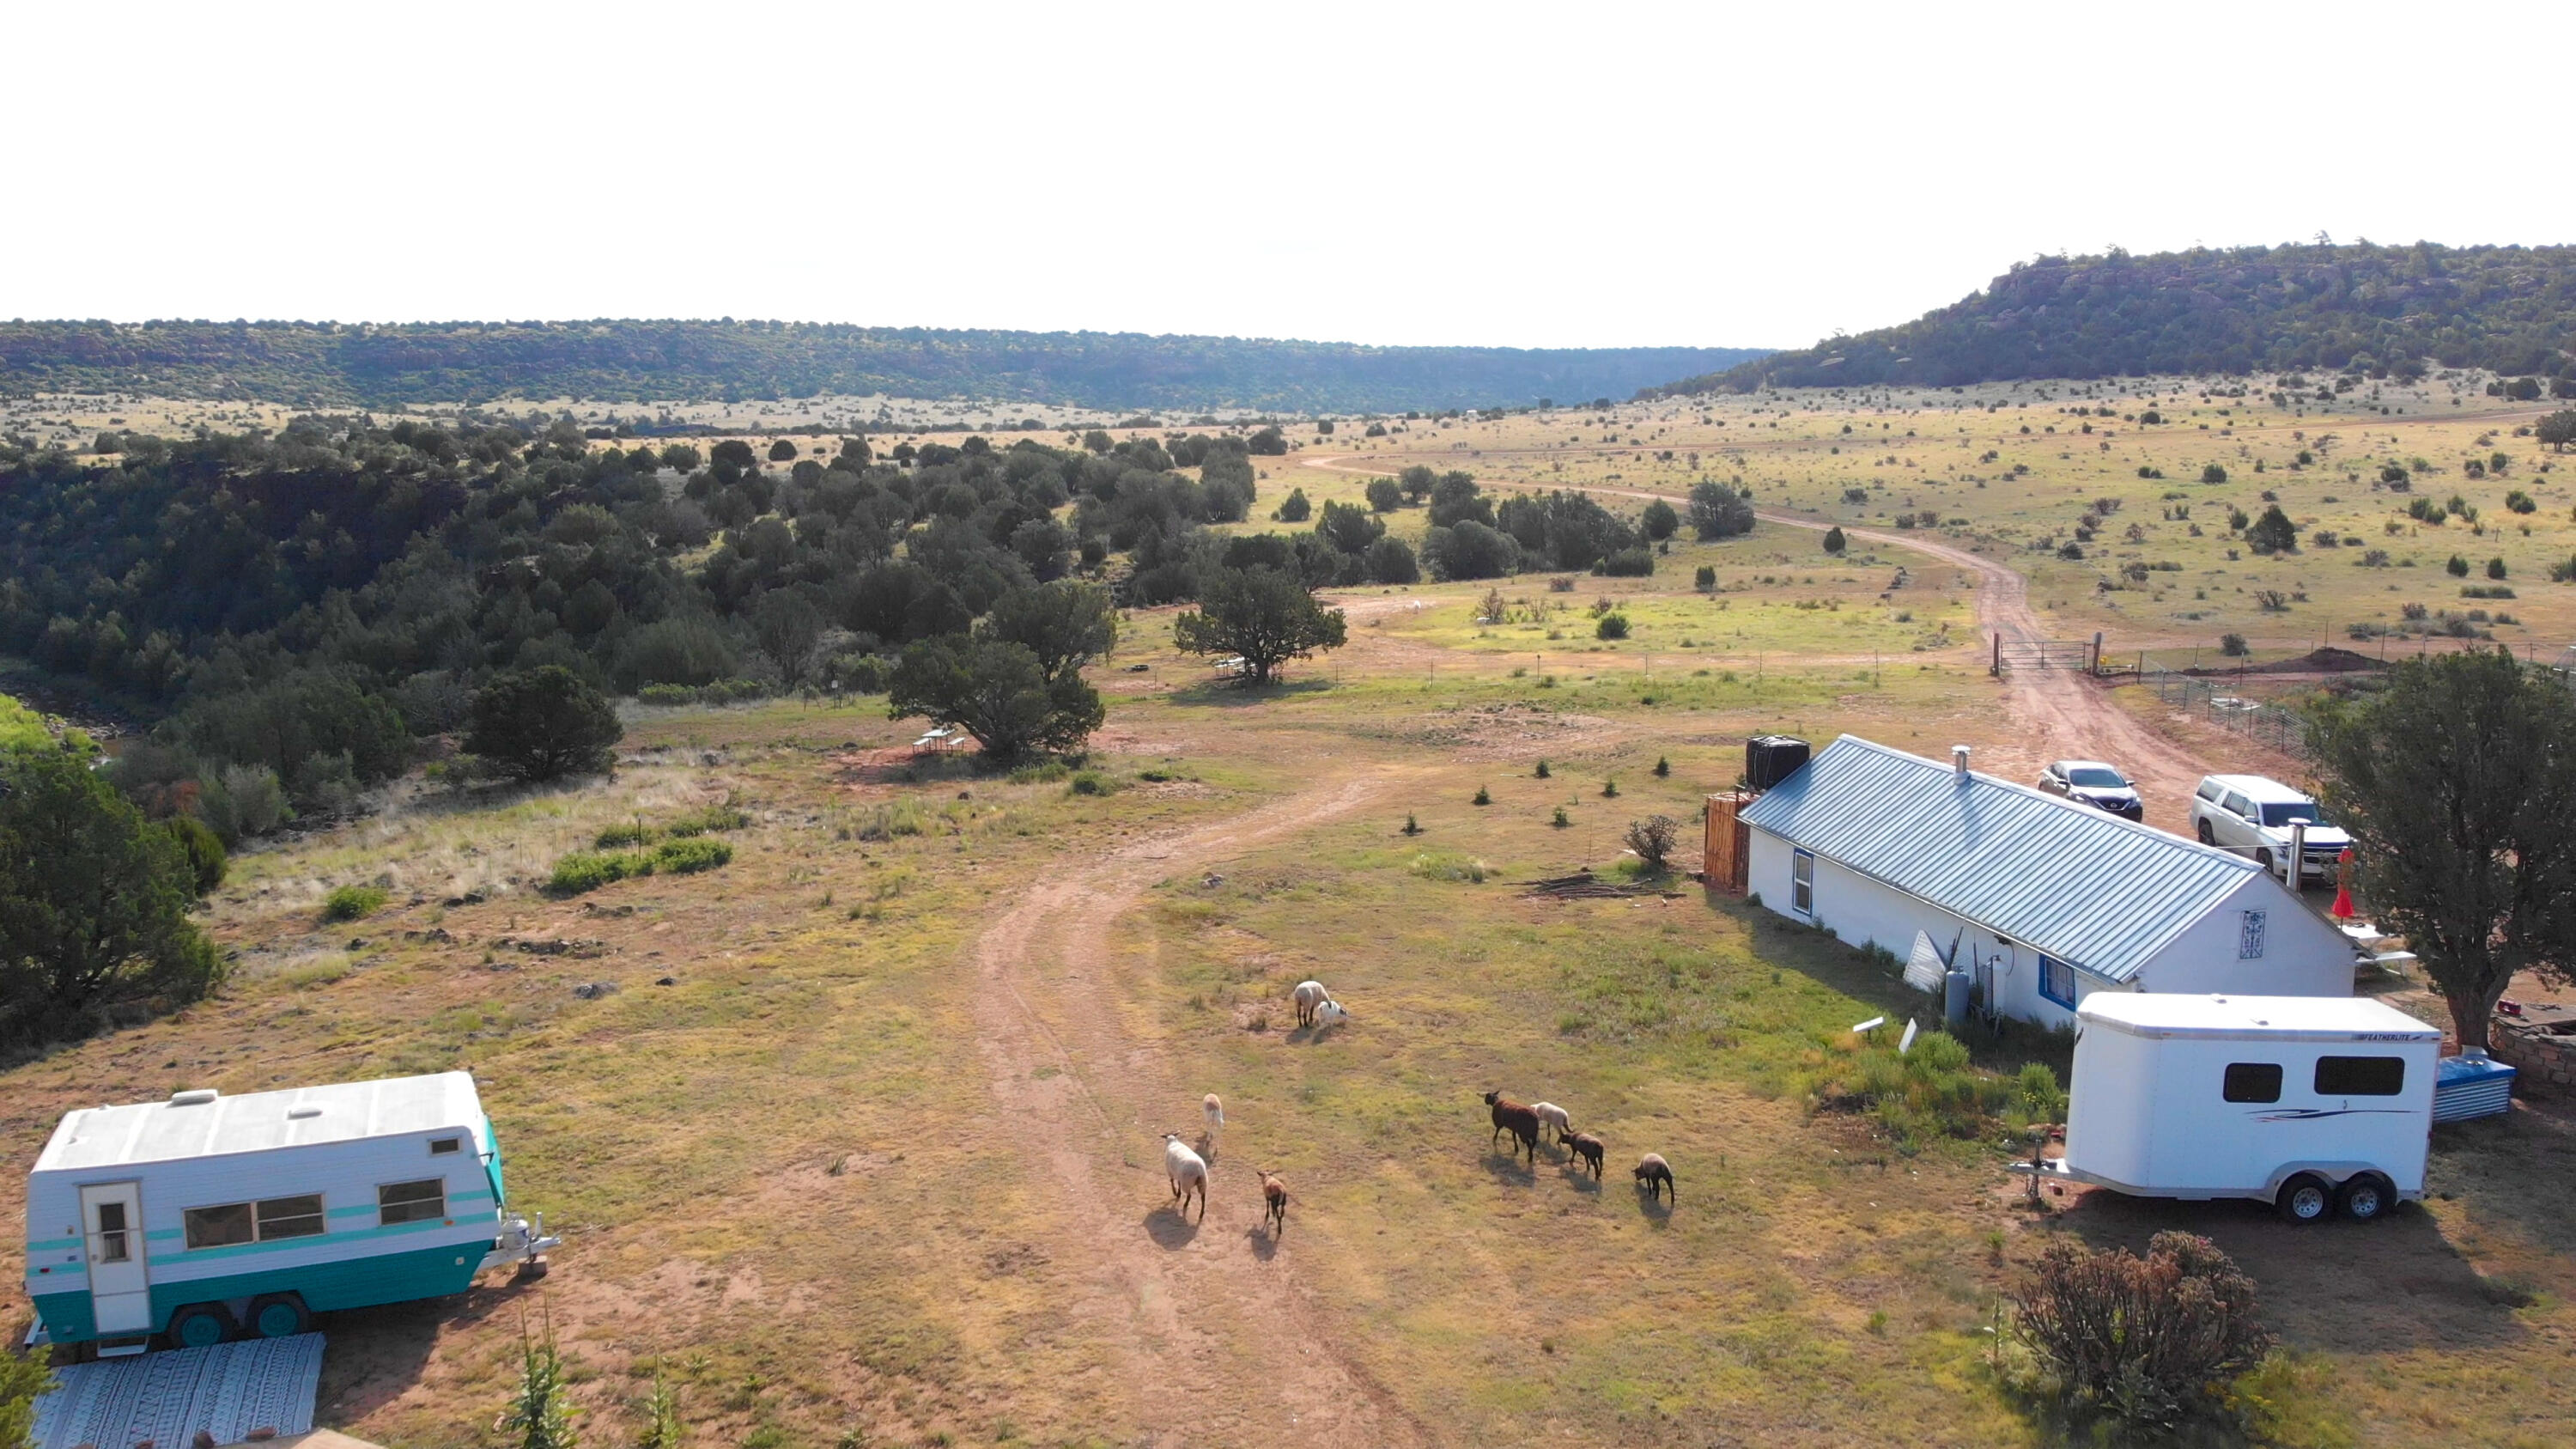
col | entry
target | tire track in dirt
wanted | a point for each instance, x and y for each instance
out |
(2060, 715)
(1219, 1343)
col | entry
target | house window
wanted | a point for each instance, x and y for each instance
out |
(442, 1146)
(2360, 1076)
(2057, 981)
(1802, 882)
(411, 1202)
(254, 1222)
(2252, 1082)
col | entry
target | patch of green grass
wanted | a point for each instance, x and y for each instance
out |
(707, 819)
(687, 857)
(352, 903)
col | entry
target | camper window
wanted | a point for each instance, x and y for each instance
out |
(111, 1232)
(441, 1146)
(245, 1222)
(2360, 1076)
(411, 1202)
(1802, 883)
(290, 1217)
(2252, 1082)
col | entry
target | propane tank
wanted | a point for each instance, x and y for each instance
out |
(1955, 986)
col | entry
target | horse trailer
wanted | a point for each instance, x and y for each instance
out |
(2309, 1103)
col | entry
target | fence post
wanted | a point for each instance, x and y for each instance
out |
(2096, 666)
(1997, 668)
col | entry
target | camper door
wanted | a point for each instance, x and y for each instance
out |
(120, 1294)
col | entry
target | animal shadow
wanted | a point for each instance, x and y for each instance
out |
(1263, 1242)
(1169, 1229)
(1655, 1209)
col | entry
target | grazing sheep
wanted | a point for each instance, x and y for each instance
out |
(1215, 1111)
(1274, 1196)
(1309, 995)
(1655, 1176)
(1554, 1116)
(1587, 1147)
(1517, 1119)
(1330, 1013)
(1188, 1172)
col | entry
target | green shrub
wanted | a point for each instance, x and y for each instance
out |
(2149, 1342)
(1092, 782)
(666, 694)
(589, 870)
(707, 819)
(893, 818)
(1484, 796)
(352, 903)
(618, 837)
(688, 857)
(1447, 865)
(1930, 1092)
(1611, 626)
(204, 849)
(1042, 772)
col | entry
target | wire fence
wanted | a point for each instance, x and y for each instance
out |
(2215, 701)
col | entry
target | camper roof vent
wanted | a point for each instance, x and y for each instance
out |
(297, 1114)
(193, 1097)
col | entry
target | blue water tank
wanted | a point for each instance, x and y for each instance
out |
(2471, 1086)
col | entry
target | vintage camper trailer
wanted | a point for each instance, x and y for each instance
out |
(205, 1216)
(2310, 1103)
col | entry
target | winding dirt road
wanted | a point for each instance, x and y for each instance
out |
(2059, 714)
(1222, 1344)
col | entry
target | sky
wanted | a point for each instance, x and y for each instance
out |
(1563, 176)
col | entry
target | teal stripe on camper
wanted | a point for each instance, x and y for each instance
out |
(52, 1245)
(326, 1287)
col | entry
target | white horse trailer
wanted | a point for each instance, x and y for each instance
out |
(2311, 1103)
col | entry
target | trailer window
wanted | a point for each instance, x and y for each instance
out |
(290, 1217)
(112, 1233)
(2252, 1082)
(1802, 883)
(441, 1146)
(254, 1222)
(411, 1202)
(2360, 1076)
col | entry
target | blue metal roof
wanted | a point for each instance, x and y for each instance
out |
(2067, 879)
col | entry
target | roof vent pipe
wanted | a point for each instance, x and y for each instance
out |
(1959, 761)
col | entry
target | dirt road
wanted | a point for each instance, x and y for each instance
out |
(2060, 715)
(1222, 1344)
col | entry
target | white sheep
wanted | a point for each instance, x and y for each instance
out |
(1309, 995)
(1215, 1111)
(1188, 1172)
(1330, 1013)
(1552, 1115)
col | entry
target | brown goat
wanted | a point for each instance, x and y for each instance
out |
(1274, 1196)
(1589, 1148)
(1517, 1119)
(1655, 1176)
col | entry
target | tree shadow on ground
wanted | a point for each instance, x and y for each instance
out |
(1228, 693)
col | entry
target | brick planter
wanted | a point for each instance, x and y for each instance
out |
(2543, 1061)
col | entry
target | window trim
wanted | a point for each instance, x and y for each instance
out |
(1797, 856)
(440, 1201)
(2048, 963)
(2227, 1088)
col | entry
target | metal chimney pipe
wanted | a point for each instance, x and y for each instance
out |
(2297, 871)
(1959, 761)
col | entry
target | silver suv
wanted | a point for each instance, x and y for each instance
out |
(2252, 815)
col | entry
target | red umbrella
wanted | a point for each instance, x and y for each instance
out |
(2343, 910)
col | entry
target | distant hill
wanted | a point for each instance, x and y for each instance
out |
(327, 364)
(2244, 310)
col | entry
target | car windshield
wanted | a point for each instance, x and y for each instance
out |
(2094, 777)
(2296, 810)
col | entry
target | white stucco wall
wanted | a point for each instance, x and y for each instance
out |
(2302, 955)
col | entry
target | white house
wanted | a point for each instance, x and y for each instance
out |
(2043, 900)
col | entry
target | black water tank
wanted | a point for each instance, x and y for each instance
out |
(1770, 759)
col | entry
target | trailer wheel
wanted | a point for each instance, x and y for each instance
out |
(2366, 1197)
(2305, 1198)
(279, 1315)
(200, 1325)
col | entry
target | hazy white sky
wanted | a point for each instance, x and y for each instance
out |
(1607, 175)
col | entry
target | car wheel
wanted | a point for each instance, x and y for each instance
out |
(2263, 858)
(2366, 1197)
(200, 1325)
(2201, 828)
(2305, 1198)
